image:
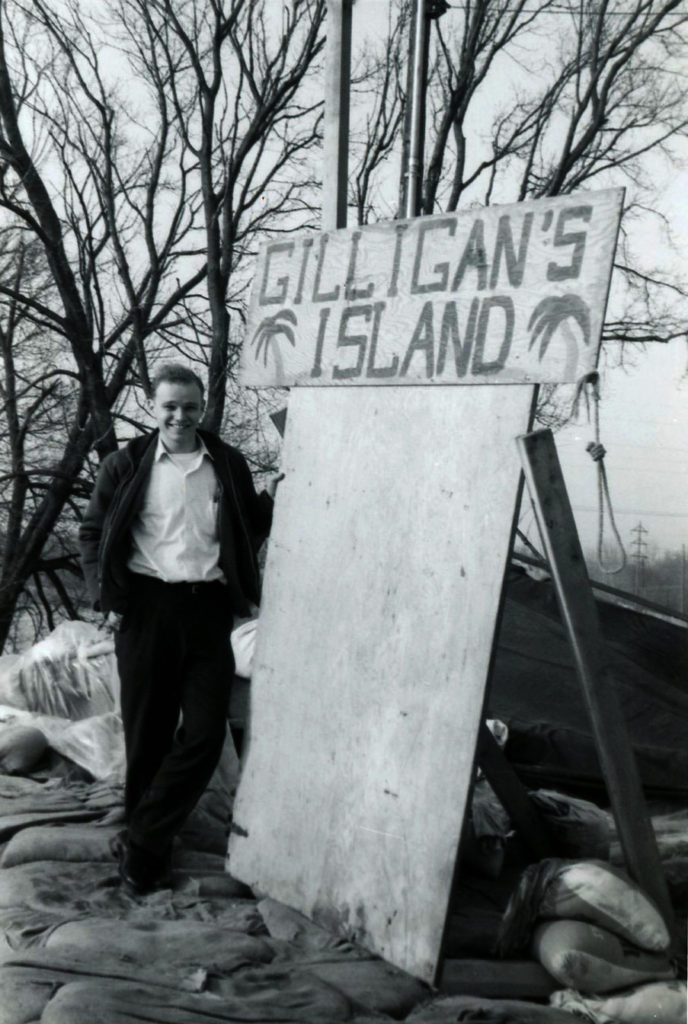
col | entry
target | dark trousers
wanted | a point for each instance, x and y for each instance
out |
(175, 665)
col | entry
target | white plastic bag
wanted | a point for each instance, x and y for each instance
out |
(95, 743)
(243, 641)
(11, 692)
(72, 673)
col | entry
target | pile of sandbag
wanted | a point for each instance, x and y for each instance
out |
(599, 935)
(577, 828)
(81, 949)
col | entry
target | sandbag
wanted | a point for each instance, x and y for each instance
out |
(44, 883)
(268, 994)
(61, 966)
(604, 895)
(27, 927)
(660, 1002)
(588, 958)
(578, 827)
(373, 983)
(180, 942)
(60, 891)
(451, 1009)
(23, 795)
(21, 748)
(582, 890)
(77, 843)
(22, 998)
(11, 824)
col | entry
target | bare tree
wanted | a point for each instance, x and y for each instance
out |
(249, 133)
(143, 147)
(592, 97)
(377, 112)
(531, 98)
(35, 397)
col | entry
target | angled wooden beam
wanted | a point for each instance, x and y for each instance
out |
(579, 614)
(513, 795)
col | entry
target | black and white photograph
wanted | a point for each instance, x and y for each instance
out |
(343, 511)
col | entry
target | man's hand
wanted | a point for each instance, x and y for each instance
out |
(112, 622)
(271, 486)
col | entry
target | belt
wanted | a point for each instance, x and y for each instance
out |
(193, 587)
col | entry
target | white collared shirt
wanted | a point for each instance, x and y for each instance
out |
(174, 536)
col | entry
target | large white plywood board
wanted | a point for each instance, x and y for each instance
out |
(382, 586)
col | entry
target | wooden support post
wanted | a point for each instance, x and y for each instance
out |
(336, 132)
(512, 794)
(579, 613)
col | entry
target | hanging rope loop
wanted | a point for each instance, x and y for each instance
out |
(593, 380)
(597, 451)
(588, 387)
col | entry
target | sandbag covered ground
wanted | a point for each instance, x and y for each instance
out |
(77, 949)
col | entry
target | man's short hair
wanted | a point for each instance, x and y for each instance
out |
(175, 373)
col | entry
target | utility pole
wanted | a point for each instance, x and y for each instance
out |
(336, 127)
(639, 555)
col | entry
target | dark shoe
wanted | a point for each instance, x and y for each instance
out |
(142, 871)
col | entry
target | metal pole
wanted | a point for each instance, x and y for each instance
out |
(336, 129)
(422, 13)
(416, 109)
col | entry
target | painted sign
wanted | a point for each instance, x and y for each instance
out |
(500, 294)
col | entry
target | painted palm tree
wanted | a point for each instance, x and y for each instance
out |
(554, 314)
(265, 338)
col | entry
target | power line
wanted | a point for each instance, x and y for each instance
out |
(570, 11)
(635, 512)
(626, 444)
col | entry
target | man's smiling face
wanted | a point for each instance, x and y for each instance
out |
(177, 409)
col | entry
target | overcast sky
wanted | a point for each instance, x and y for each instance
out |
(644, 407)
(644, 427)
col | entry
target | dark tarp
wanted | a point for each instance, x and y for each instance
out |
(535, 690)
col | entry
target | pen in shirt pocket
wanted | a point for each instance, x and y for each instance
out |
(217, 494)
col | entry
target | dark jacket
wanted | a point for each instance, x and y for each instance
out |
(244, 519)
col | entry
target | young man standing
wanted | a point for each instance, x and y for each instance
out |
(168, 543)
